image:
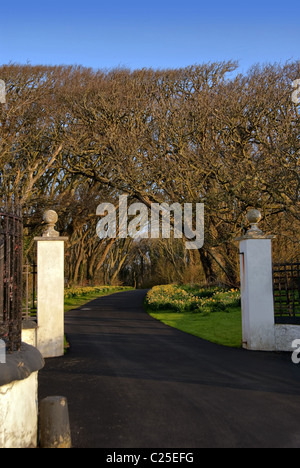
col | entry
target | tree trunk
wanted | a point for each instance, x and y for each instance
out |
(206, 261)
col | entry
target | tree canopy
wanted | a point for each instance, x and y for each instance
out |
(73, 137)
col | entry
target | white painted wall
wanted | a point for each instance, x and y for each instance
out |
(29, 336)
(19, 413)
(285, 335)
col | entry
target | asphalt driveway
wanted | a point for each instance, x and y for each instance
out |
(133, 382)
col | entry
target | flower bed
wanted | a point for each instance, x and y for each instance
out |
(79, 291)
(192, 299)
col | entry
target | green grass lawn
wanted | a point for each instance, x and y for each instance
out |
(213, 314)
(84, 295)
(223, 328)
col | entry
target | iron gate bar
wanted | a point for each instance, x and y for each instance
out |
(11, 253)
(29, 291)
(286, 286)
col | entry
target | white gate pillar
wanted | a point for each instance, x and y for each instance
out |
(50, 289)
(257, 287)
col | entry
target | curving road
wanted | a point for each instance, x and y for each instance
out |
(132, 382)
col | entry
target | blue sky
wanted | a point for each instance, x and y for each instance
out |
(157, 33)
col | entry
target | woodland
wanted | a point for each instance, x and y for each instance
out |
(74, 137)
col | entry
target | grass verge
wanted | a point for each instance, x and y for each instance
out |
(213, 314)
(76, 297)
(224, 328)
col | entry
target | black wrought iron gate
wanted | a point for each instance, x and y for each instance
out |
(11, 254)
(286, 286)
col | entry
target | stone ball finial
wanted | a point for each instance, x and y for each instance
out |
(50, 217)
(254, 216)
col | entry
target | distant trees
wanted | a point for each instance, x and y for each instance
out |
(72, 137)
